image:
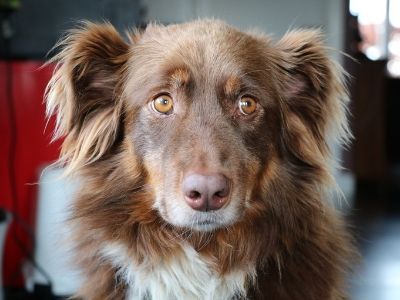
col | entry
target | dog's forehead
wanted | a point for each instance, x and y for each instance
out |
(209, 52)
(203, 45)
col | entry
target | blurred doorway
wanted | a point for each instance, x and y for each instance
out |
(373, 39)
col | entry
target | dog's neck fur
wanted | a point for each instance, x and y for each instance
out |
(185, 276)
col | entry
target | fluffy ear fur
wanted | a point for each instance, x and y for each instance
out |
(314, 98)
(83, 92)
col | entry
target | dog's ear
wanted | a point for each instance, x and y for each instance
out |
(84, 92)
(314, 97)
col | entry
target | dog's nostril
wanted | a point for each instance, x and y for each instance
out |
(221, 194)
(194, 195)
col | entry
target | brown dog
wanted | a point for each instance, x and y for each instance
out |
(205, 162)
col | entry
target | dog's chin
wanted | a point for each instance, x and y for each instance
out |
(202, 221)
(207, 226)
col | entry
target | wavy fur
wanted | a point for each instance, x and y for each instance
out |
(135, 238)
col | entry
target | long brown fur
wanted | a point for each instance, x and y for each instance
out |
(299, 245)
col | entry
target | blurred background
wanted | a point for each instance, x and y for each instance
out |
(33, 201)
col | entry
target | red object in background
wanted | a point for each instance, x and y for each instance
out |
(33, 151)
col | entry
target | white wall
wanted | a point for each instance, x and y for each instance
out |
(274, 17)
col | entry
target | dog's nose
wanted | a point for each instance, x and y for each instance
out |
(205, 192)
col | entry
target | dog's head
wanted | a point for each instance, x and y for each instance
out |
(213, 122)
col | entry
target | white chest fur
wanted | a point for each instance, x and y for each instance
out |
(186, 276)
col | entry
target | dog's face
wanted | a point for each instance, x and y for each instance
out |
(210, 115)
(203, 121)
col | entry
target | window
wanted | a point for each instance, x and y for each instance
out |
(379, 25)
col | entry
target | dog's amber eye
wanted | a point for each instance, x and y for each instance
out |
(163, 104)
(247, 105)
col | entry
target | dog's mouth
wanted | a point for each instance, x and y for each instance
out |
(202, 221)
(206, 225)
(205, 221)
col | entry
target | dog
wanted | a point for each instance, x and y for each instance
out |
(204, 156)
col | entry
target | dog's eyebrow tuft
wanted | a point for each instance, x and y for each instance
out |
(179, 77)
(232, 85)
